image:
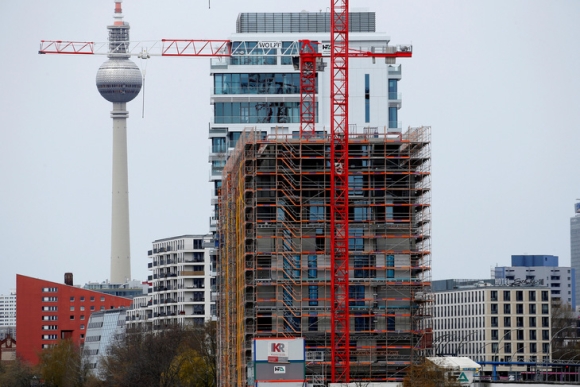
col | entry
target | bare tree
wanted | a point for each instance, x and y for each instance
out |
(15, 373)
(563, 335)
(175, 356)
(427, 374)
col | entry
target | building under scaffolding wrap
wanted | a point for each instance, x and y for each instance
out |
(274, 258)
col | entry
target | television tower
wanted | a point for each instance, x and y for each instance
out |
(119, 81)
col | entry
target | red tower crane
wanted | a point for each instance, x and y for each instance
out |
(339, 136)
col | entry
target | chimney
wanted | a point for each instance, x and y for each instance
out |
(68, 279)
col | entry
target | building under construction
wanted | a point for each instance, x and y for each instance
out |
(274, 230)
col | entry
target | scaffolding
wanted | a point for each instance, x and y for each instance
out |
(274, 264)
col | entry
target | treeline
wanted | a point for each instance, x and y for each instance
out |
(173, 357)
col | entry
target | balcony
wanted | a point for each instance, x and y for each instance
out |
(185, 273)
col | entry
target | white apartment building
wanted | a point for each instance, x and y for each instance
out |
(489, 323)
(182, 284)
(7, 313)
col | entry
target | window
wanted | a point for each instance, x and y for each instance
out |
(545, 322)
(218, 145)
(49, 290)
(102, 298)
(520, 334)
(92, 307)
(313, 295)
(92, 298)
(367, 98)
(494, 322)
(313, 322)
(493, 308)
(82, 308)
(507, 348)
(356, 241)
(545, 347)
(519, 322)
(519, 295)
(520, 308)
(506, 295)
(82, 298)
(356, 292)
(507, 335)
(532, 295)
(82, 326)
(361, 323)
(545, 308)
(72, 316)
(316, 210)
(393, 89)
(532, 322)
(82, 316)
(493, 295)
(393, 117)
(72, 308)
(532, 308)
(390, 324)
(363, 265)
(533, 335)
(545, 296)
(355, 186)
(494, 334)
(533, 348)
(545, 334)
(507, 308)
(72, 299)
(390, 262)
(49, 299)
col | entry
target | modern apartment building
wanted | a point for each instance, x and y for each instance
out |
(542, 269)
(272, 205)
(575, 247)
(7, 313)
(488, 322)
(50, 311)
(183, 284)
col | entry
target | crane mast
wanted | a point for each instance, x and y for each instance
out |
(339, 262)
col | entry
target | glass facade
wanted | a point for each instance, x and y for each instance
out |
(257, 112)
(257, 83)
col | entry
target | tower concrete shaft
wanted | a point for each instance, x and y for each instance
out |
(120, 239)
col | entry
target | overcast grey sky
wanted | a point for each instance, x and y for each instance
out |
(497, 81)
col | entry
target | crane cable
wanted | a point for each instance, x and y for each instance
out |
(143, 56)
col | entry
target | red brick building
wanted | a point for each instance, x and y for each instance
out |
(49, 311)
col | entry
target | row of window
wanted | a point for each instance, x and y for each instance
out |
(520, 348)
(519, 322)
(519, 295)
(479, 296)
(72, 299)
(519, 334)
(519, 308)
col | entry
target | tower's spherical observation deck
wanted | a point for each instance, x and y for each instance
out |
(119, 80)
